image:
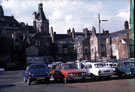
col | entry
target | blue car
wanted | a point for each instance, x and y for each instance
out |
(37, 72)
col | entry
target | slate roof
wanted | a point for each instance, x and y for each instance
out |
(30, 29)
(41, 15)
(64, 38)
(102, 36)
(79, 39)
(121, 32)
(10, 20)
(128, 41)
(79, 34)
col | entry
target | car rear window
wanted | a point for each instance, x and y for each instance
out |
(69, 66)
(99, 65)
(38, 66)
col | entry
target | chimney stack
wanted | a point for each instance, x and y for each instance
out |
(52, 34)
(86, 32)
(69, 32)
(73, 33)
(126, 25)
(93, 30)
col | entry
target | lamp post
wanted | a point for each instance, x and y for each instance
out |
(100, 56)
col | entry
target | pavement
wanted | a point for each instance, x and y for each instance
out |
(12, 81)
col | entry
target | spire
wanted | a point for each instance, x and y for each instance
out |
(41, 15)
(1, 11)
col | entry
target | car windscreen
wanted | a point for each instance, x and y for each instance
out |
(38, 67)
(129, 64)
(69, 66)
(99, 65)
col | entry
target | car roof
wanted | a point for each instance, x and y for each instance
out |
(94, 62)
(36, 64)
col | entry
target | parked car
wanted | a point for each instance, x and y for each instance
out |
(98, 69)
(112, 65)
(37, 72)
(2, 69)
(121, 69)
(131, 64)
(68, 71)
(53, 66)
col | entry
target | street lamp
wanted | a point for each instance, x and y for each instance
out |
(100, 35)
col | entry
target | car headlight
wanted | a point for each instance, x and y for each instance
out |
(30, 74)
(83, 73)
(70, 74)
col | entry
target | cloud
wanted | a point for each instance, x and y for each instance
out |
(116, 23)
(65, 14)
(124, 13)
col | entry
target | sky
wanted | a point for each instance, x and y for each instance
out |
(77, 14)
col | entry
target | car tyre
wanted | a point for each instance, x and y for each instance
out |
(29, 81)
(65, 80)
(47, 80)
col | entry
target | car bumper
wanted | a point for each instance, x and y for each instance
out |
(107, 74)
(38, 78)
(76, 77)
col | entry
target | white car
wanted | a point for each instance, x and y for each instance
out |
(98, 69)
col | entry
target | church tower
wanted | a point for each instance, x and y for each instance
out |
(40, 22)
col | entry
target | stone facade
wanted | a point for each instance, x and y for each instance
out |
(119, 44)
(63, 47)
(98, 45)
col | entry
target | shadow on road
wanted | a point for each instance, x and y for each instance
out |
(5, 86)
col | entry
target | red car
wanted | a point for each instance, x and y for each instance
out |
(68, 71)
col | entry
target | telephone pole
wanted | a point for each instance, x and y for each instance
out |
(100, 54)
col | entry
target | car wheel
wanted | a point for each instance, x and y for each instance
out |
(47, 80)
(83, 79)
(25, 80)
(65, 80)
(29, 81)
(55, 79)
(121, 75)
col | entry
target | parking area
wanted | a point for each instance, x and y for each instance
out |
(12, 81)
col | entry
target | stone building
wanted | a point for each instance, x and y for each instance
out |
(82, 44)
(98, 44)
(41, 39)
(119, 45)
(63, 47)
(11, 29)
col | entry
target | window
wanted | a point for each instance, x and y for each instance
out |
(47, 44)
(91, 41)
(60, 51)
(59, 45)
(92, 50)
(79, 50)
(37, 42)
(79, 44)
(65, 50)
